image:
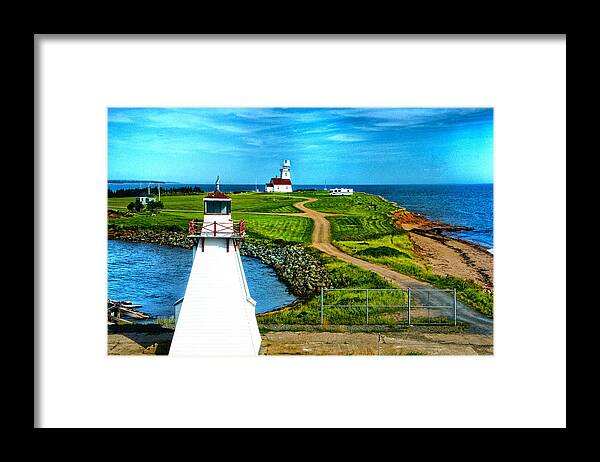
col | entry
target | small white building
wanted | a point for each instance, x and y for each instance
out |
(216, 316)
(283, 183)
(144, 198)
(341, 192)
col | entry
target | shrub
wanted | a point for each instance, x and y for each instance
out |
(135, 206)
(382, 251)
(153, 205)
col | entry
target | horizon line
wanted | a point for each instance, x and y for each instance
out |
(294, 184)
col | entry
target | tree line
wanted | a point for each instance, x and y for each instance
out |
(164, 192)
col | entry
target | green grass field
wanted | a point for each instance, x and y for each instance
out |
(291, 229)
(374, 249)
(366, 216)
(360, 227)
(240, 202)
(357, 204)
(263, 202)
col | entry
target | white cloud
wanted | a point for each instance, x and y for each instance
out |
(344, 137)
(119, 117)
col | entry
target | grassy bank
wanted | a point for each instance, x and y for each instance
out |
(397, 253)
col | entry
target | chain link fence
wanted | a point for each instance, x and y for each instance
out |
(412, 306)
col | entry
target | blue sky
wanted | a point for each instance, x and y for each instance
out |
(333, 145)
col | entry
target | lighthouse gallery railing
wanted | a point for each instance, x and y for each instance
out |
(215, 228)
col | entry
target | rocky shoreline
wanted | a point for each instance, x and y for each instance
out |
(411, 221)
(296, 265)
(163, 237)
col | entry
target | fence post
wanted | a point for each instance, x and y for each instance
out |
(367, 306)
(455, 306)
(428, 315)
(409, 306)
(321, 305)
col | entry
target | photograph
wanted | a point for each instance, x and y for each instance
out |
(279, 224)
(248, 231)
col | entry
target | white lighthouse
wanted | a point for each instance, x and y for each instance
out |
(283, 183)
(285, 170)
(217, 313)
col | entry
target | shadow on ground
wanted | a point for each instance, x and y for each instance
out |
(136, 339)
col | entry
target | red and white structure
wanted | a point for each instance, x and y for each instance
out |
(217, 313)
(283, 183)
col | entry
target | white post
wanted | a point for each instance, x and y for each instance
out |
(158, 193)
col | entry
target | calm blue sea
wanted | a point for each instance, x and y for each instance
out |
(465, 205)
(156, 276)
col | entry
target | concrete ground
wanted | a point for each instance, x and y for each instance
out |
(372, 343)
(412, 342)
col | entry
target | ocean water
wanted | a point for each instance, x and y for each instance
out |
(156, 276)
(464, 205)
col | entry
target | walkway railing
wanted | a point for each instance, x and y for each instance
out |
(207, 228)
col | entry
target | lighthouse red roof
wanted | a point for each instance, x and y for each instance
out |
(280, 181)
(217, 195)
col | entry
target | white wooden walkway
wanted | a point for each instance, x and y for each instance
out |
(217, 316)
